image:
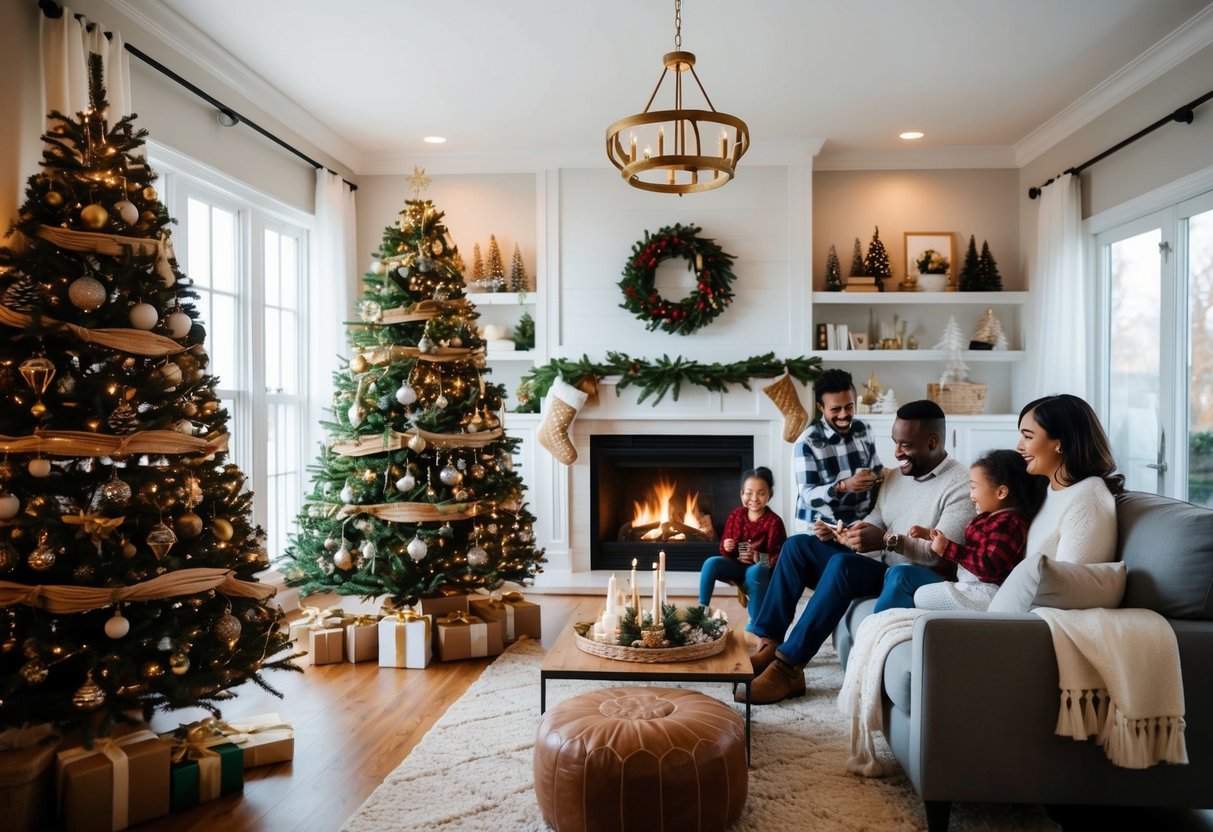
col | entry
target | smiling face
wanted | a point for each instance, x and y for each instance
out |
(986, 496)
(1040, 451)
(755, 494)
(838, 410)
(916, 448)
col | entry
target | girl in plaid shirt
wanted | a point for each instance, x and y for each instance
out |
(1006, 500)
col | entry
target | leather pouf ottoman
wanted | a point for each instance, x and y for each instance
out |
(640, 759)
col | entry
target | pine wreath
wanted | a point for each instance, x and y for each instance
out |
(713, 275)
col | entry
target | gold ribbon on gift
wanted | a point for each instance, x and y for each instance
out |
(55, 598)
(134, 341)
(121, 783)
(83, 443)
(422, 311)
(395, 441)
(412, 512)
(455, 617)
(115, 245)
(497, 598)
(196, 746)
(380, 356)
(315, 618)
(362, 620)
(409, 614)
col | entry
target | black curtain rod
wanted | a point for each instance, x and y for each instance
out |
(54, 11)
(1185, 115)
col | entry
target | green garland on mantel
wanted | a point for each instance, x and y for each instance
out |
(660, 376)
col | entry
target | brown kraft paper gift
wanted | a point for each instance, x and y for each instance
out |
(89, 782)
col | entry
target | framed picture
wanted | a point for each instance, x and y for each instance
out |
(859, 340)
(930, 252)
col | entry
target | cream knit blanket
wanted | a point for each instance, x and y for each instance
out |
(1120, 682)
(860, 696)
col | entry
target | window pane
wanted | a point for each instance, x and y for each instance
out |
(223, 275)
(198, 235)
(1135, 358)
(288, 352)
(283, 482)
(273, 357)
(224, 342)
(1200, 358)
(290, 272)
(273, 276)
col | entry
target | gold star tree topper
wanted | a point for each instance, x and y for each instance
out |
(418, 181)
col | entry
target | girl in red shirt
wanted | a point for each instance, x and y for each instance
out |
(749, 544)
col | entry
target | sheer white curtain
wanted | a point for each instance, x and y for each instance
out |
(66, 44)
(1062, 317)
(329, 296)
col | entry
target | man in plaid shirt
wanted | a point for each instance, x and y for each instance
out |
(835, 461)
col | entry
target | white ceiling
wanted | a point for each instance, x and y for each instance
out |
(547, 77)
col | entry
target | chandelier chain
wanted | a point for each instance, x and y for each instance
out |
(677, 24)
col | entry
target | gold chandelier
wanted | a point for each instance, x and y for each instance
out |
(689, 166)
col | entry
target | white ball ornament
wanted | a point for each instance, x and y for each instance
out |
(417, 549)
(441, 402)
(347, 495)
(144, 316)
(477, 556)
(9, 506)
(377, 267)
(86, 293)
(117, 626)
(343, 559)
(368, 550)
(39, 467)
(179, 324)
(406, 395)
(406, 483)
(127, 211)
(356, 413)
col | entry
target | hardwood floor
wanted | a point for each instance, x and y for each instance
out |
(354, 723)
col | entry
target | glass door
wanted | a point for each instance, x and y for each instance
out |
(1199, 314)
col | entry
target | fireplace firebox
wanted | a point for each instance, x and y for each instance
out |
(652, 492)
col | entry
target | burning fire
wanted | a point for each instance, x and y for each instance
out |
(655, 510)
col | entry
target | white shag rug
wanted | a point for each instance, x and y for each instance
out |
(472, 771)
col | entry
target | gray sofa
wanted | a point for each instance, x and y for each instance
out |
(970, 704)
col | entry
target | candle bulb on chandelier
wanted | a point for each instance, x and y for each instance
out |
(724, 144)
(648, 153)
(632, 151)
(661, 140)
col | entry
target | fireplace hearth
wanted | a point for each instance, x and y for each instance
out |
(655, 492)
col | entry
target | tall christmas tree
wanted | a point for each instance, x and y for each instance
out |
(518, 279)
(833, 272)
(494, 279)
(126, 549)
(877, 263)
(988, 278)
(416, 490)
(970, 278)
(857, 267)
(477, 279)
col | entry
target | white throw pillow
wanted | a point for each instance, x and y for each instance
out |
(1039, 581)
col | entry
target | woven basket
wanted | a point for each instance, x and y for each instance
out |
(651, 655)
(26, 785)
(959, 398)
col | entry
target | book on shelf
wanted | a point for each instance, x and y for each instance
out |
(833, 337)
(861, 289)
(823, 336)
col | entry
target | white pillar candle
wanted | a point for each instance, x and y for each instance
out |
(635, 593)
(611, 592)
(661, 574)
(656, 598)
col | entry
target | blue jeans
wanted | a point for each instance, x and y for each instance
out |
(836, 575)
(754, 575)
(901, 582)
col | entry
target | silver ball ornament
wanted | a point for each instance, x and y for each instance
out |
(417, 549)
(441, 402)
(227, 629)
(86, 293)
(477, 556)
(425, 344)
(449, 475)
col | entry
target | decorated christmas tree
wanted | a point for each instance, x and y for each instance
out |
(833, 272)
(857, 267)
(477, 279)
(518, 279)
(494, 279)
(970, 279)
(988, 278)
(524, 332)
(127, 553)
(416, 490)
(877, 263)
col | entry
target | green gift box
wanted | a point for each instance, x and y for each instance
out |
(209, 773)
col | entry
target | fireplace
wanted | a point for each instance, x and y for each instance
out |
(652, 492)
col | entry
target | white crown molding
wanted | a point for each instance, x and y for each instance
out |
(1152, 64)
(918, 158)
(1164, 196)
(180, 36)
(390, 163)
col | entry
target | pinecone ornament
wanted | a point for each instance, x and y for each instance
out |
(23, 296)
(123, 420)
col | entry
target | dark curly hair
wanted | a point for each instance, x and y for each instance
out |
(1005, 467)
(1084, 446)
(763, 473)
(832, 381)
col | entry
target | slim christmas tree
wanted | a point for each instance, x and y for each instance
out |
(833, 272)
(494, 280)
(126, 549)
(877, 263)
(970, 278)
(477, 281)
(518, 279)
(417, 488)
(988, 278)
(524, 332)
(953, 343)
(857, 267)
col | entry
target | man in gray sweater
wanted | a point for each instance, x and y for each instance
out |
(839, 565)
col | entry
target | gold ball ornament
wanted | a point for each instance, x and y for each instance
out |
(128, 549)
(149, 193)
(148, 216)
(227, 629)
(179, 663)
(222, 529)
(42, 558)
(34, 672)
(53, 198)
(94, 217)
(39, 467)
(89, 696)
(189, 525)
(38, 409)
(359, 364)
(416, 443)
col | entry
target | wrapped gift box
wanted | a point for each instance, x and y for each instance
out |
(265, 739)
(206, 774)
(439, 606)
(466, 637)
(326, 646)
(25, 779)
(314, 618)
(405, 640)
(119, 783)
(362, 639)
(517, 617)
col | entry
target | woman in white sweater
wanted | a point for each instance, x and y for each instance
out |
(1063, 443)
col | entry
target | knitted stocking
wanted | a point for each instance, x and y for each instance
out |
(795, 417)
(559, 409)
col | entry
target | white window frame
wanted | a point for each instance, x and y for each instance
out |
(180, 178)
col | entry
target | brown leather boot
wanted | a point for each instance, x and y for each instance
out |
(777, 683)
(761, 660)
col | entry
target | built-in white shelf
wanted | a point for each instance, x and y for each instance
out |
(501, 298)
(510, 355)
(887, 356)
(933, 298)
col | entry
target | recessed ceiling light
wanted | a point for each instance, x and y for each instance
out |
(435, 139)
(909, 134)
